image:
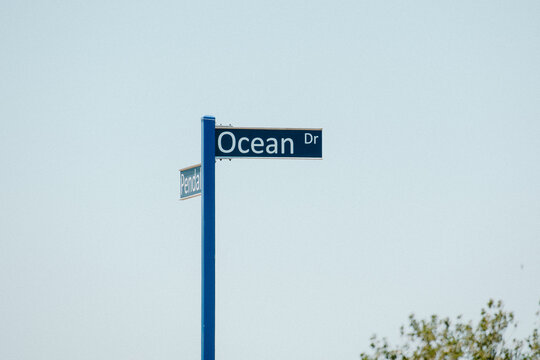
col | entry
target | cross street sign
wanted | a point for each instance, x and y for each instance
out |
(223, 143)
(237, 142)
(190, 182)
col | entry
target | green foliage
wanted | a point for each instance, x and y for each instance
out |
(443, 339)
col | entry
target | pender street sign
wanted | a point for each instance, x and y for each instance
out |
(190, 182)
(238, 142)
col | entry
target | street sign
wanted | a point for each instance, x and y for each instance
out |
(190, 182)
(223, 143)
(237, 142)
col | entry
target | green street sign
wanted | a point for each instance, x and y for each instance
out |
(190, 182)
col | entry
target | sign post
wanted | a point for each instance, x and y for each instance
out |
(226, 143)
(208, 285)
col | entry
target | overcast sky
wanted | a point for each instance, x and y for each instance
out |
(427, 199)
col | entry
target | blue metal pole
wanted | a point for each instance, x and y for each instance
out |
(208, 285)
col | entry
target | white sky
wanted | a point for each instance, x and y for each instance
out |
(427, 200)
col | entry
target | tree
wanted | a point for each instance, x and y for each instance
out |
(443, 339)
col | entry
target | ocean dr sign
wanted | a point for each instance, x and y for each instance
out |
(190, 182)
(234, 142)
